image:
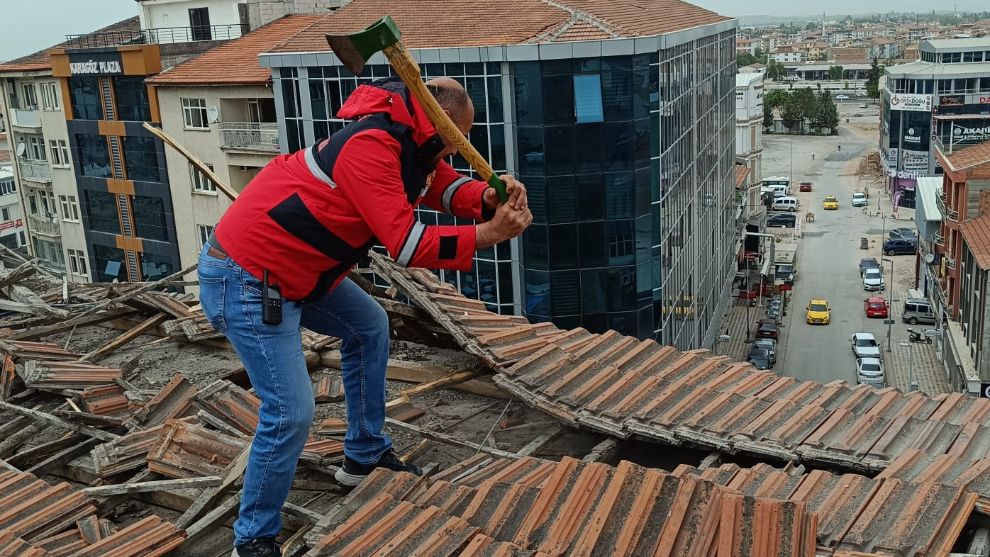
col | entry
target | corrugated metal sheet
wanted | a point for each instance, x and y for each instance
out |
(622, 386)
(566, 508)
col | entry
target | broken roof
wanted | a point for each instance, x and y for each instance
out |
(235, 62)
(457, 23)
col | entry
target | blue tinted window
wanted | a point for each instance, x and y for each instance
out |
(101, 208)
(588, 99)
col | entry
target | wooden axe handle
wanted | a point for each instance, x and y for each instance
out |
(408, 70)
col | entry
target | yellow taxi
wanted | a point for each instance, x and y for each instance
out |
(819, 312)
(831, 203)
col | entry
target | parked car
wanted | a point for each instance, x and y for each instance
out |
(873, 280)
(864, 345)
(767, 328)
(903, 234)
(770, 346)
(863, 105)
(876, 306)
(868, 263)
(759, 357)
(784, 220)
(831, 203)
(859, 199)
(818, 312)
(785, 203)
(842, 97)
(785, 273)
(918, 310)
(805, 186)
(869, 371)
(900, 247)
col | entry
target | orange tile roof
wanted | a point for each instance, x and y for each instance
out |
(40, 61)
(742, 172)
(236, 61)
(968, 157)
(976, 235)
(458, 23)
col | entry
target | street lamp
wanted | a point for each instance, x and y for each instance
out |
(912, 383)
(890, 293)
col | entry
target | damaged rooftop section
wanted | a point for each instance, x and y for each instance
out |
(124, 423)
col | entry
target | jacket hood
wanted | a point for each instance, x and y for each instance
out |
(389, 97)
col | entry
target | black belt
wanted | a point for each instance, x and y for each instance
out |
(215, 249)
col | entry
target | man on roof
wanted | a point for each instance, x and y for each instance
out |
(280, 256)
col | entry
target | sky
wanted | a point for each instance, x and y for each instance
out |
(38, 24)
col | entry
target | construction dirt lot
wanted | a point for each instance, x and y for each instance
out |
(124, 424)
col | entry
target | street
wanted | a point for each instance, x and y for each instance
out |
(829, 253)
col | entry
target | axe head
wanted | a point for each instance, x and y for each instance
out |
(355, 49)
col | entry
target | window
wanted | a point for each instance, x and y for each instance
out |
(4, 214)
(149, 218)
(131, 95)
(141, 157)
(204, 233)
(194, 114)
(60, 152)
(77, 262)
(92, 155)
(49, 96)
(7, 187)
(101, 208)
(202, 184)
(29, 98)
(588, 99)
(47, 201)
(70, 207)
(85, 93)
(199, 22)
(36, 148)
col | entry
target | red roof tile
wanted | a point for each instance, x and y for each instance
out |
(742, 172)
(968, 157)
(236, 62)
(976, 234)
(458, 23)
(40, 61)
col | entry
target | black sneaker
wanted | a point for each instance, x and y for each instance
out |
(352, 473)
(263, 547)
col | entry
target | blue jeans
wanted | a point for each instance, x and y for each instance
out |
(273, 358)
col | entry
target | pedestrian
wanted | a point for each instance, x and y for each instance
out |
(280, 256)
(840, 148)
(812, 155)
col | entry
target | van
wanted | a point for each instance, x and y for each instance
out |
(786, 203)
(776, 190)
(918, 310)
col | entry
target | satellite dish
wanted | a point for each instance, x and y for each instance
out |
(20, 149)
(929, 258)
(213, 114)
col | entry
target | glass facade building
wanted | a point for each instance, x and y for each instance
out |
(627, 151)
(123, 188)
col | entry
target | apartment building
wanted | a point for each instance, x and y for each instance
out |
(622, 134)
(787, 54)
(221, 106)
(749, 138)
(12, 232)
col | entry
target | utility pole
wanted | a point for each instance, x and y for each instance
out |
(890, 321)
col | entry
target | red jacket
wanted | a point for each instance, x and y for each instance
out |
(309, 216)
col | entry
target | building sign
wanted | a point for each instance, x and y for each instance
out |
(965, 134)
(913, 103)
(914, 161)
(904, 175)
(977, 99)
(11, 224)
(912, 137)
(984, 390)
(889, 158)
(951, 100)
(95, 63)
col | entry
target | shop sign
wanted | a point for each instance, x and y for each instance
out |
(912, 103)
(961, 133)
(951, 100)
(914, 161)
(95, 63)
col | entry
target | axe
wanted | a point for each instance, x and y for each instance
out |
(354, 50)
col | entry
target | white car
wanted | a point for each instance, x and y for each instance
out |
(873, 280)
(869, 371)
(864, 345)
(842, 97)
(859, 199)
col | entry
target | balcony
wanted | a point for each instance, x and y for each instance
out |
(43, 226)
(249, 136)
(159, 35)
(950, 263)
(25, 118)
(949, 213)
(35, 170)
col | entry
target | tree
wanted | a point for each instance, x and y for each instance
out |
(811, 26)
(873, 79)
(793, 114)
(760, 56)
(827, 114)
(768, 118)
(775, 70)
(835, 73)
(745, 59)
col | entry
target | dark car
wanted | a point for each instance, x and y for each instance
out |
(903, 234)
(805, 186)
(782, 220)
(759, 357)
(767, 328)
(867, 263)
(900, 247)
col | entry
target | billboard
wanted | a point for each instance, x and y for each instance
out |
(914, 161)
(912, 103)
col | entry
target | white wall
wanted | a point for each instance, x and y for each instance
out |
(193, 209)
(160, 14)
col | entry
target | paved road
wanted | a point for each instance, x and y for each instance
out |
(829, 255)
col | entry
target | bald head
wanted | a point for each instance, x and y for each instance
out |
(452, 98)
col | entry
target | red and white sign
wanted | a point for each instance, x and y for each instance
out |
(11, 224)
(912, 103)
